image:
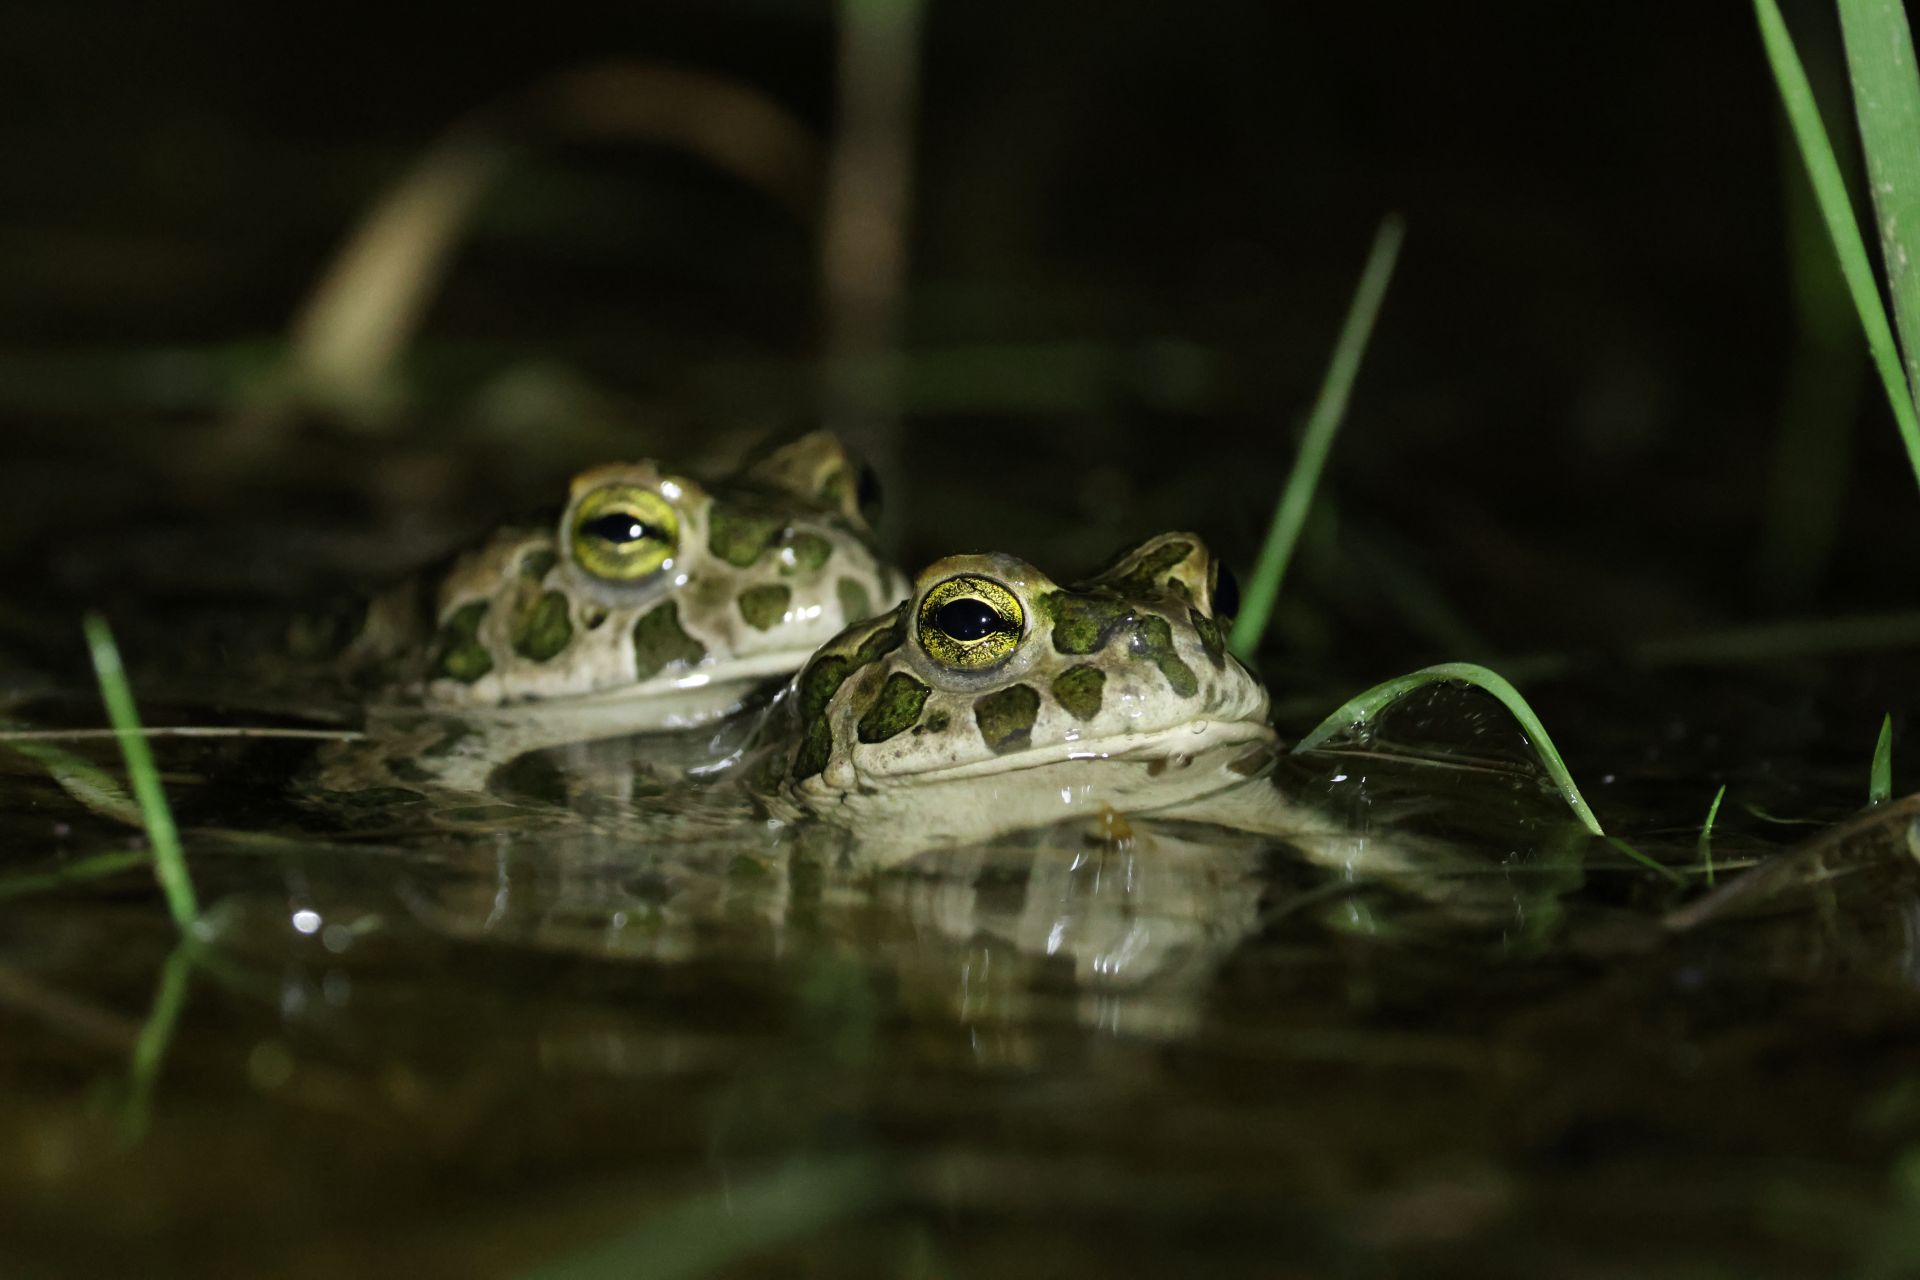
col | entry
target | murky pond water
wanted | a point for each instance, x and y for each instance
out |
(665, 1037)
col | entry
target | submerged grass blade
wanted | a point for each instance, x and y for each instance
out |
(705, 1234)
(1886, 100)
(1356, 711)
(1880, 776)
(1296, 497)
(169, 862)
(76, 872)
(85, 781)
(156, 1036)
(1649, 863)
(1779, 820)
(1706, 833)
(1824, 172)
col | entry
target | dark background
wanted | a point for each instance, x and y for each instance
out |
(1136, 228)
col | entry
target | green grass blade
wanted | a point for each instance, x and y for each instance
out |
(1296, 496)
(77, 872)
(1886, 100)
(1824, 172)
(1880, 776)
(1649, 863)
(1706, 833)
(1356, 711)
(1779, 820)
(169, 863)
(156, 1036)
(85, 781)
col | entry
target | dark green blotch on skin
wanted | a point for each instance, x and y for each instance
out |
(810, 551)
(855, 603)
(658, 642)
(1210, 641)
(936, 723)
(1147, 574)
(884, 640)
(765, 608)
(542, 629)
(1006, 717)
(741, 537)
(461, 655)
(821, 679)
(537, 564)
(1083, 623)
(818, 683)
(1078, 689)
(895, 710)
(1153, 640)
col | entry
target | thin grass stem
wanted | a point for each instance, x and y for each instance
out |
(1886, 101)
(1356, 711)
(1329, 409)
(1645, 861)
(1831, 191)
(10, 736)
(169, 862)
(1780, 821)
(1880, 775)
(866, 235)
(85, 781)
(1706, 833)
(156, 1036)
(76, 872)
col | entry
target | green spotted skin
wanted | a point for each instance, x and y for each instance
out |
(758, 571)
(660, 643)
(740, 536)
(1133, 654)
(1006, 717)
(460, 654)
(895, 710)
(1078, 689)
(855, 600)
(765, 607)
(543, 627)
(807, 553)
(822, 678)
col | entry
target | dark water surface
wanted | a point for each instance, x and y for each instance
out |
(506, 1040)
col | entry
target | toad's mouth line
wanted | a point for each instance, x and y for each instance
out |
(758, 669)
(1177, 747)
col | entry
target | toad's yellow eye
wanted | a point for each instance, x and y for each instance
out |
(970, 623)
(622, 532)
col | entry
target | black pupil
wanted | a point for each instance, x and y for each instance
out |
(968, 619)
(1226, 594)
(620, 527)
